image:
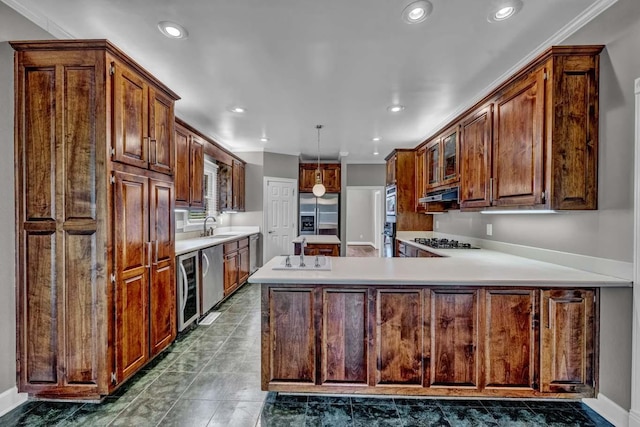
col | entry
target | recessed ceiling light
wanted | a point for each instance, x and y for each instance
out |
(237, 109)
(417, 11)
(264, 139)
(505, 10)
(172, 30)
(376, 139)
(395, 108)
(375, 153)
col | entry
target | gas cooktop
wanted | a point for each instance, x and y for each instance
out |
(443, 243)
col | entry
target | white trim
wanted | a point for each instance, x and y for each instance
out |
(11, 399)
(610, 410)
(578, 22)
(39, 19)
(265, 222)
(634, 418)
(362, 244)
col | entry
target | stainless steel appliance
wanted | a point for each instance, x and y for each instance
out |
(389, 234)
(253, 253)
(212, 277)
(188, 283)
(320, 215)
(391, 203)
(443, 243)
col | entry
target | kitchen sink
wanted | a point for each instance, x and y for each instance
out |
(311, 263)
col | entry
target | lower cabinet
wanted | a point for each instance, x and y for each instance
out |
(313, 249)
(421, 340)
(236, 264)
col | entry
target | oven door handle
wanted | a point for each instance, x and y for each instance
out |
(185, 287)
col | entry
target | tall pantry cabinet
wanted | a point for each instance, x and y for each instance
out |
(95, 268)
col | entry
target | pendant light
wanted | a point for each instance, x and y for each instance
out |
(318, 189)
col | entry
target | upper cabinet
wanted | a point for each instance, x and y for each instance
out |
(329, 176)
(441, 162)
(534, 141)
(231, 192)
(391, 169)
(189, 177)
(142, 121)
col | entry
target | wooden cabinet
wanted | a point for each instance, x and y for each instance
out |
(442, 160)
(568, 341)
(142, 119)
(534, 144)
(189, 176)
(313, 249)
(401, 164)
(391, 169)
(91, 200)
(426, 340)
(421, 176)
(329, 175)
(236, 264)
(231, 191)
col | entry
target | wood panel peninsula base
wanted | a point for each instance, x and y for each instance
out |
(427, 339)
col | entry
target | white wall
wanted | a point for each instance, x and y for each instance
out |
(12, 27)
(360, 215)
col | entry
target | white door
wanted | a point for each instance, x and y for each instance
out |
(281, 215)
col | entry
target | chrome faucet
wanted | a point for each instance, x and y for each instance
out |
(208, 232)
(302, 246)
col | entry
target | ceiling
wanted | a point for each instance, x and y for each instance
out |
(297, 63)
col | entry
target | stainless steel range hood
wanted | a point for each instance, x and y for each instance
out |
(447, 195)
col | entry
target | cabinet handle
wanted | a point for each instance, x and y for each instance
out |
(155, 150)
(491, 190)
(206, 258)
(148, 255)
(549, 317)
(185, 287)
(156, 262)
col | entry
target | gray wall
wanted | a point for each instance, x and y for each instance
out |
(253, 176)
(607, 232)
(360, 218)
(366, 175)
(280, 165)
(12, 27)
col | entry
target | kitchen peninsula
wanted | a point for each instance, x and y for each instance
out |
(469, 323)
(328, 245)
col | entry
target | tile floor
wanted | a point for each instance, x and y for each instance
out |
(211, 377)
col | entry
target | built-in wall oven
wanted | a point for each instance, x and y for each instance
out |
(389, 235)
(391, 204)
(188, 283)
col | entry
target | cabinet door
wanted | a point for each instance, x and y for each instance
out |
(399, 338)
(196, 174)
(475, 156)
(391, 170)
(331, 178)
(290, 337)
(510, 339)
(225, 189)
(307, 177)
(231, 267)
(345, 336)
(161, 150)
(132, 259)
(518, 143)
(130, 118)
(237, 187)
(449, 149)
(162, 285)
(243, 265)
(421, 176)
(182, 171)
(567, 353)
(453, 333)
(433, 164)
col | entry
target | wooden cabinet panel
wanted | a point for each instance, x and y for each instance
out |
(130, 117)
(162, 289)
(399, 344)
(292, 336)
(196, 172)
(433, 164)
(518, 143)
(329, 175)
(510, 339)
(568, 339)
(133, 256)
(243, 265)
(307, 178)
(391, 169)
(183, 174)
(238, 186)
(450, 149)
(454, 338)
(225, 187)
(475, 155)
(231, 266)
(344, 336)
(421, 176)
(161, 141)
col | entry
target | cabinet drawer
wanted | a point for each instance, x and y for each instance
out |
(243, 243)
(230, 247)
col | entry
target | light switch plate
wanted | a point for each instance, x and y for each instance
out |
(489, 229)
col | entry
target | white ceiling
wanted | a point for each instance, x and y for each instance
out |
(297, 63)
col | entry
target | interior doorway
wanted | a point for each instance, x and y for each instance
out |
(364, 220)
(280, 216)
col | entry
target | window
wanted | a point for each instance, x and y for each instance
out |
(210, 194)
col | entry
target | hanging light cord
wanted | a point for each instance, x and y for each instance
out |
(318, 170)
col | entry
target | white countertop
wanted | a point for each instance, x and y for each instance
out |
(190, 245)
(318, 239)
(468, 267)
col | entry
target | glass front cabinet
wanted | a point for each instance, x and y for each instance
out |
(442, 159)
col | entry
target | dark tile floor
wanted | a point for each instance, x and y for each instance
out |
(211, 377)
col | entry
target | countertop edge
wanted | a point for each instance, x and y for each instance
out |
(203, 242)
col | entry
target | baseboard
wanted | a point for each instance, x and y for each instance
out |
(634, 419)
(610, 410)
(360, 244)
(11, 399)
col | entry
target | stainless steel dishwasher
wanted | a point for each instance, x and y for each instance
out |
(212, 277)
(253, 253)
